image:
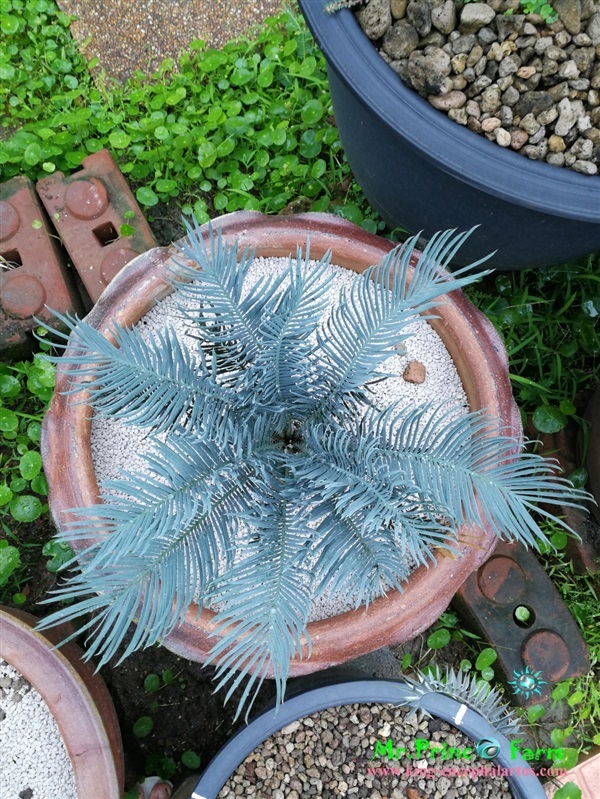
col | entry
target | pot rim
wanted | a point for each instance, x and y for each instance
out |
(464, 155)
(479, 356)
(363, 691)
(75, 695)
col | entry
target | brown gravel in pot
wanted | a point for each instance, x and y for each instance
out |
(330, 753)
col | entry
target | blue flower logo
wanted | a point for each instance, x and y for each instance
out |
(527, 682)
(488, 748)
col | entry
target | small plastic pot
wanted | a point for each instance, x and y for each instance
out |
(393, 692)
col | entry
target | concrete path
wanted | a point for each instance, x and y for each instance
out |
(138, 34)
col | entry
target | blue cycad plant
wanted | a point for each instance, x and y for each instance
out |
(274, 478)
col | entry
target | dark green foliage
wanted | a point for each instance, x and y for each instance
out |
(246, 127)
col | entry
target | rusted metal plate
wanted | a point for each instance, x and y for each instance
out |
(33, 275)
(547, 644)
(88, 209)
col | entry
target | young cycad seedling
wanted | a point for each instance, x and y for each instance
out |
(274, 478)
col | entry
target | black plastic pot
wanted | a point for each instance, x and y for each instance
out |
(422, 171)
(361, 691)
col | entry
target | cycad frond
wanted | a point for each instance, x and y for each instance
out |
(224, 318)
(471, 468)
(465, 688)
(163, 544)
(149, 380)
(352, 564)
(374, 492)
(269, 617)
(281, 371)
(370, 317)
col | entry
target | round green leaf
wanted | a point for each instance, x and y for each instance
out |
(143, 727)
(30, 464)
(579, 477)
(126, 230)
(318, 168)
(9, 24)
(8, 420)
(190, 759)
(312, 112)
(32, 154)
(487, 674)
(59, 552)
(568, 758)
(522, 614)
(559, 539)
(567, 407)
(486, 658)
(549, 419)
(165, 184)
(119, 139)
(39, 484)
(534, 713)
(9, 560)
(161, 133)
(9, 386)
(568, 791)
(146, 196)
(17, 484)
(207, 153)
(151, 683)
(19, 598)
(5, 494)
(25, 508)
(561, 691)
(438, 639)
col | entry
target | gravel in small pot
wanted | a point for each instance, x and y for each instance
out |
(337, 741)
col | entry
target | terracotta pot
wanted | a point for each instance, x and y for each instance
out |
(479, 357)
(77, 698)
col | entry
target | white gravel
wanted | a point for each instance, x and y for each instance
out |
(34, 763)
(116, 446)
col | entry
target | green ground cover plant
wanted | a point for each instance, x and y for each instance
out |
(246, 127)
(550, 322)
(25, 390)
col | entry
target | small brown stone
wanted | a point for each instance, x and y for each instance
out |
(490, 124)
(415, 372)
(443, 102)
(526, 72)
(556, 144)
(518, 138)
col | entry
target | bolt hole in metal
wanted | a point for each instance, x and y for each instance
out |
(106, 233)
(524, 616)
(10, 259)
